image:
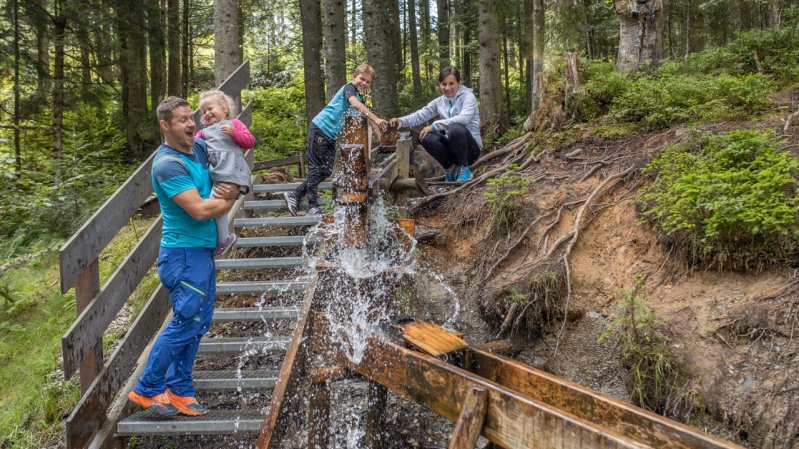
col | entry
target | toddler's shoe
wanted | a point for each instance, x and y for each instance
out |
(187, 405)
(223, 246)
(158, 404)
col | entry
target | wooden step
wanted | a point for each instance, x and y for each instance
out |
(276, 204)
(274, 188)
(237, 345)
(258, 263)
(230, 288)
(303, 220)
(215, 422)
(234, 380)
(227, 315)
(283, 240)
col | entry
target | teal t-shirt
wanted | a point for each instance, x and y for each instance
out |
(331, 119)
(175, 172)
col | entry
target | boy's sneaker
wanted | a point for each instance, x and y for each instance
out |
(158, 404)
(223, 246)
(314, 210)
(291, 203)
(187, 405)
(464, 174)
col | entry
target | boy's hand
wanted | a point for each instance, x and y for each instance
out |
(425, 131)
(395, 122)
(382, 124)
(227, 129)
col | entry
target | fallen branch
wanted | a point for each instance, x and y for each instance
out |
(788, 120)
(24, 260)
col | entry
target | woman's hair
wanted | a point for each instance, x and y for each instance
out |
(447, 71)
(221, 99)
(365, 69)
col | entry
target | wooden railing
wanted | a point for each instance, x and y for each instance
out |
(97, 307)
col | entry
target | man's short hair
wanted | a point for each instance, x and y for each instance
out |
(167, 105)
(366, 69)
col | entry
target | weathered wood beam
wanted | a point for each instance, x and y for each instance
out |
(90, 325)
(319, 412)
(86, 287)
(282, 162)
(647, 428)
(512, 420)
(470, 421)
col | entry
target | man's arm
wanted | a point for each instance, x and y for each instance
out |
(202, 209)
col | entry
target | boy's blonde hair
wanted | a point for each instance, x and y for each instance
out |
(221, 99)
(364, 69)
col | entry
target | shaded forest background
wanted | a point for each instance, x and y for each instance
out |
(80, 78)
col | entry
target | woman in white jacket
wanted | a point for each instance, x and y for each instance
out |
(454, 139)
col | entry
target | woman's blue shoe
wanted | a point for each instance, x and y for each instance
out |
(464, 174)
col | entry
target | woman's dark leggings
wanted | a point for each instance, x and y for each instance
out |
(457, 147)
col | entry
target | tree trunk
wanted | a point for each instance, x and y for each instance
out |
(38, 12)
(334, 19)
(468, 28)
(59, 28)
(640, 29)
(137, 81)
(17, 150)
(527, 50)
(173, 42)
(155, 33)
(393, 16)
(310, 16)
(185, 50)
(226, 39)
(506, 68)
(381, 54)
(417, 79)
(354, 24)
(490, 78)
(539, 44)
(443, 33)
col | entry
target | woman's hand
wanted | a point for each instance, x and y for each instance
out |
(425, 131)
(395, 122)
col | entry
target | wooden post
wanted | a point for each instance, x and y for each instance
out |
(470, 421)
(301, 165)
(86, 287)
(319, 412)
(375, 416)
(404, 148)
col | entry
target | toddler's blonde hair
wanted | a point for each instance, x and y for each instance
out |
(221, 99)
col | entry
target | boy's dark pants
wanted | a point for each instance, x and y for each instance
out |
(321, 154)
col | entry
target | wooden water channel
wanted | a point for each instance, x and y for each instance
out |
(509, 403)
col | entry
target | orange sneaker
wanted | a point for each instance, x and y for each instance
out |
(187, 405)
(158, 404)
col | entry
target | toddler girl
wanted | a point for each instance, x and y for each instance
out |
(227, 139)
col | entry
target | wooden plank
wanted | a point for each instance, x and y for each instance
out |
(86, 287)
(470, 421)
(404, 148)
(88, 329)
(375, 416)
(85, 245)
(274, 163)
(319, 415)
(245, 116)
(512, 421)
(89, 414)
(291, 372)
(232, 86)
(432, 339)
(645, 427)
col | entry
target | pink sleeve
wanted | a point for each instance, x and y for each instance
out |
(242, 136)
(199, 134)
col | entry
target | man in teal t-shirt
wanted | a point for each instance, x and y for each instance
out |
(185, 261)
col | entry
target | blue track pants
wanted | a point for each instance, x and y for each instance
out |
(189, 275)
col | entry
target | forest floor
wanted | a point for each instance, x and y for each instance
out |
(735, 333)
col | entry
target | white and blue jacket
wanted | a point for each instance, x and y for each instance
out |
(462, 108)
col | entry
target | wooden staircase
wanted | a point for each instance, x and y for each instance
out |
(284, 288)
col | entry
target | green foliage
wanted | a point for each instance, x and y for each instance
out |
(504, 196)
(729, 199)
(278, 119)
(603, 85)
(645, 350)
(661, 101)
